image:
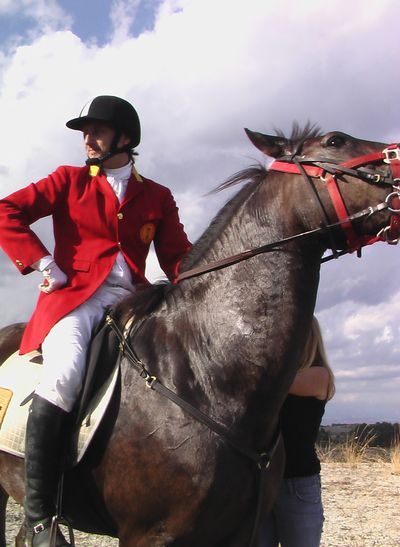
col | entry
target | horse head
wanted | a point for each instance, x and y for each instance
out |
(353, 183)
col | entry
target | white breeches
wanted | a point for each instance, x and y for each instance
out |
(64, 348)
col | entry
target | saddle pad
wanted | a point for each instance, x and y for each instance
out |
(19, 376)
(5, 398)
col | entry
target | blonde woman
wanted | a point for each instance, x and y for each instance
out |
(297, 517)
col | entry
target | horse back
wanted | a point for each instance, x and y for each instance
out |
(10, 339)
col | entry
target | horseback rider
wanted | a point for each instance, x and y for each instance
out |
(105, 216)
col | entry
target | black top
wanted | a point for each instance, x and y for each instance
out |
(300, 421)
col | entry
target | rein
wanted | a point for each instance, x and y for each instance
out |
(273, 246)
(327, 171)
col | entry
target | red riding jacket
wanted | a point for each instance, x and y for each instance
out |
(90, 228)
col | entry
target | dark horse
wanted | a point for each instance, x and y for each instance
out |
(228, 342)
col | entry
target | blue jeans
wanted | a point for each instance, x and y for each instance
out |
(297, 517)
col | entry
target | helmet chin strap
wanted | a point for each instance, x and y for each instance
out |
(113, 151)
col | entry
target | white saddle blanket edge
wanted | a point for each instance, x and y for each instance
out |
(20, 374)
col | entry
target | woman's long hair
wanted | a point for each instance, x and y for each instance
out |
(315, 355)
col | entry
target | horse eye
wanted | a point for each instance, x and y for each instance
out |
(335, 140)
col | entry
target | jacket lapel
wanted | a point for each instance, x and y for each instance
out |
(102, 184)
(135, 187)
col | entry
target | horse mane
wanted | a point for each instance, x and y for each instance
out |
(212, 233)
(147, 298)
(258, 172)
(299, 135)
(253, 174)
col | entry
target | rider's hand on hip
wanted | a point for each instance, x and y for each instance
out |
(53, 278)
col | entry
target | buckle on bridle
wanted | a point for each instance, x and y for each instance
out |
(39, 528)
(150, 381)
(391, 154)
(148, 378)
(389, 198)
(264, 461)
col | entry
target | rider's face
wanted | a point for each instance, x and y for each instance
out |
(98, 137)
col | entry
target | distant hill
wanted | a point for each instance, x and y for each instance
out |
(382, 434)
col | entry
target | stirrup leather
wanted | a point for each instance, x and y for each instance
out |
(55, 521)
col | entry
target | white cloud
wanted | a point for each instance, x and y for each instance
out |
(370, 320)
(386, 336)
(207, 70)
(42, 16)
(122, 15)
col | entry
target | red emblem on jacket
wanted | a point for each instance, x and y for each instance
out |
(147, 232)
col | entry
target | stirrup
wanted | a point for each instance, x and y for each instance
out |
(55, 521)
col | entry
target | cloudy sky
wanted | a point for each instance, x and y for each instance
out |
(198, 72)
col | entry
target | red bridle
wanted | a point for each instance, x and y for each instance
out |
(390, 155)
(327, 171)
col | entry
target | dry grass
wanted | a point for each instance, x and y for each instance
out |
(395, 456)
(357, 449)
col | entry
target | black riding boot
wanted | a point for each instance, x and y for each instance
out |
(43, 455)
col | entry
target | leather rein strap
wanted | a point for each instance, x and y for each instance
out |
(328, 171)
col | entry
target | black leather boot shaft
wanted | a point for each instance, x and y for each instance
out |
(44, 451)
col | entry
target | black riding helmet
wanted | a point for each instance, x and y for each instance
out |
(116, 112)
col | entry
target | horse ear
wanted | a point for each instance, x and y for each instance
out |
(268, 144)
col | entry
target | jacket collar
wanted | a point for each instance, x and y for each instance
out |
(95, 170)
(132, 189)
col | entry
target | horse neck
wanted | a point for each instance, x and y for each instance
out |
(256, 315)
(235, 334)
(255, 217)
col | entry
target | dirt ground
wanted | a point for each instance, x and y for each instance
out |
(362, 509)
(362, 505)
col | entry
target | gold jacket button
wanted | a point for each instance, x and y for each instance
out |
(120, 216)
(19, 263)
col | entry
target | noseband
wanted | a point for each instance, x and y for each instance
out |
(328, 170)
